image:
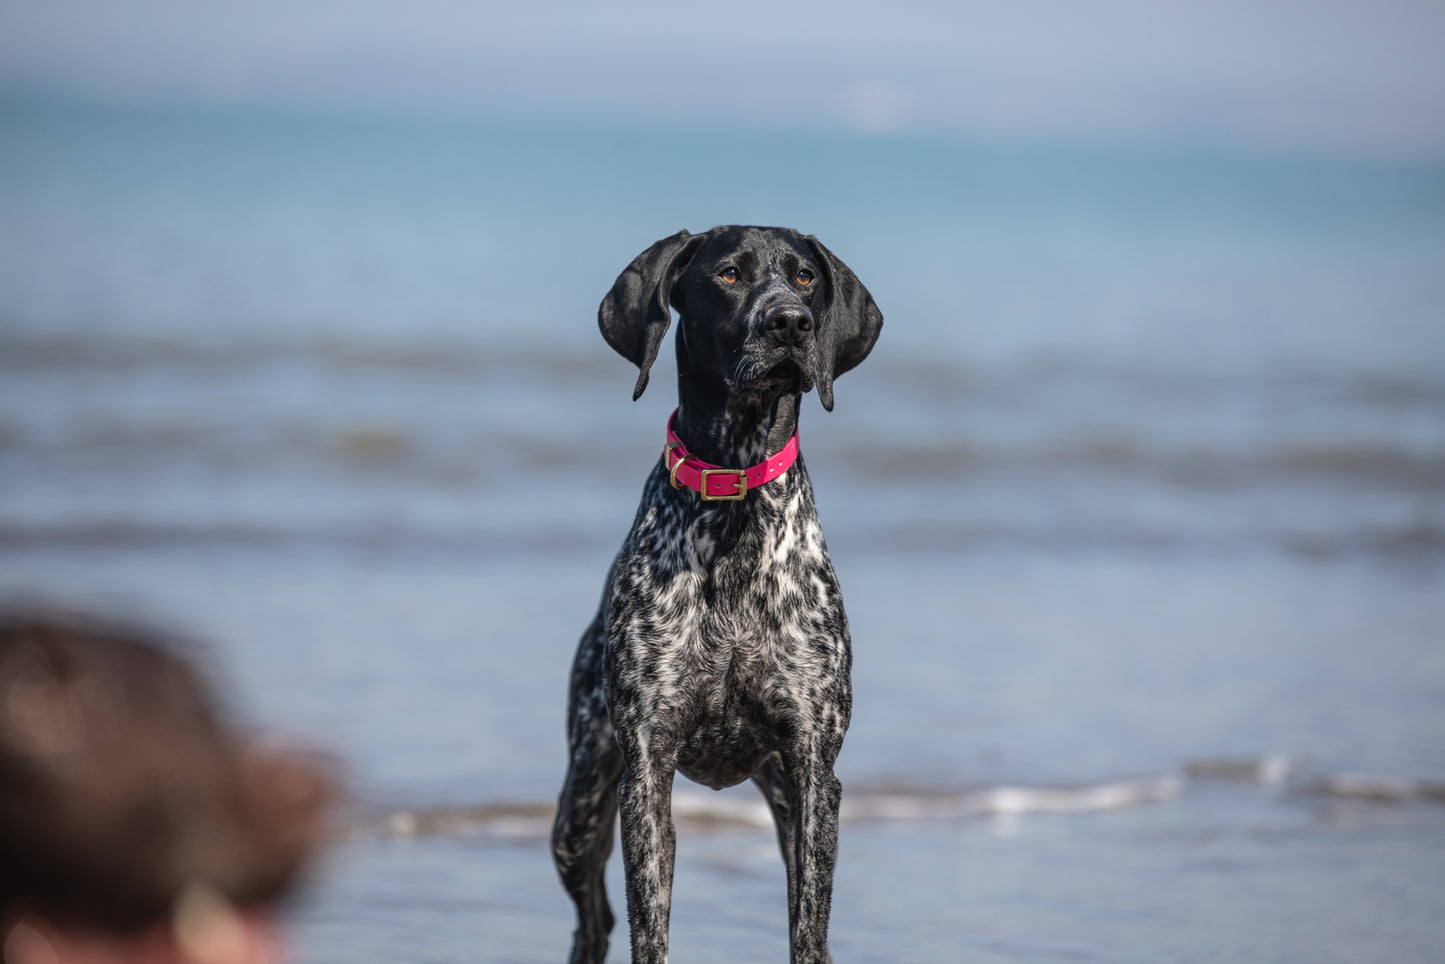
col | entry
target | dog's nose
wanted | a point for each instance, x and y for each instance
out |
(789, 324)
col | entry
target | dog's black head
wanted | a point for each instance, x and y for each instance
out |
(760, 309)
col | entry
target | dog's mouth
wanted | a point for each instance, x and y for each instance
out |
(797, 372)
(786, 370)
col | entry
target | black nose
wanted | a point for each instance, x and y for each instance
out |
(789, 324)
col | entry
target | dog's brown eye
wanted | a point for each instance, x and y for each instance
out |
(805, 277)
(730, 275)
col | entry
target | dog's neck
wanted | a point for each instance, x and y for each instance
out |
(730, 428)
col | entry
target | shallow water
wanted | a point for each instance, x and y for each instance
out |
(1083, 759)
(1138, 507)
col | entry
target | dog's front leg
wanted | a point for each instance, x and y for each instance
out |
(649, 846)
(772, 779)
(814, 836)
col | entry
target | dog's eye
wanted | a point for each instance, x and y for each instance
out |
(730, 275)
(805, 277)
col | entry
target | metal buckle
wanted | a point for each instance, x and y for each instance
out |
(741, 481)
(672, 469)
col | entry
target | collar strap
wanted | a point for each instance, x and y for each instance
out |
(715, 483)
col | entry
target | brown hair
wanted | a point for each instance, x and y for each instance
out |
(120, 786)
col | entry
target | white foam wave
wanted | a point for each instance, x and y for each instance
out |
(701, 812)
(697, 811)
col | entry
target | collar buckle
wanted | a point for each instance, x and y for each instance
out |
(740, 480)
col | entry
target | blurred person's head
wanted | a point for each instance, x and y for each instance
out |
(134, 825)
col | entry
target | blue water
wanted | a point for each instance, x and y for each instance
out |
(1138, 507)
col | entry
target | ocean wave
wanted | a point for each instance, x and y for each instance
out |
(1134, 455)
(698, 812)
(358, 404)
(927, 379)
(1377, 788)
(1422, 541)
(142, 534)
(80, 352)
(393, 441)
(1271, 770)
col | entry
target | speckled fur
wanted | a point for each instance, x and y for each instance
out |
(720, 649)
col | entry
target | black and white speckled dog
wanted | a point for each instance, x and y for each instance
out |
(720, 649)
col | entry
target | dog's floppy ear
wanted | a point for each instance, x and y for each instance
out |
(849, 324)
(636, 312)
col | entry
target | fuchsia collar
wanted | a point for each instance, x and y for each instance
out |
(714, 483)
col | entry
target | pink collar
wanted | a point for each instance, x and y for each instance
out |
(717, 484)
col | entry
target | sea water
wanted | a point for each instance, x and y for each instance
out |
(1138, 508)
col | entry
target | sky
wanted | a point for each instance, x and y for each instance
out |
(1359, 77)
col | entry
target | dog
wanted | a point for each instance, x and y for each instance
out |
(720, 649)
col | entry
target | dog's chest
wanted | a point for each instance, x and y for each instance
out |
(719, 618)
(726, 643)
(757, 588)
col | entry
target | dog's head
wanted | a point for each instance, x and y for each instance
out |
(760, 308)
